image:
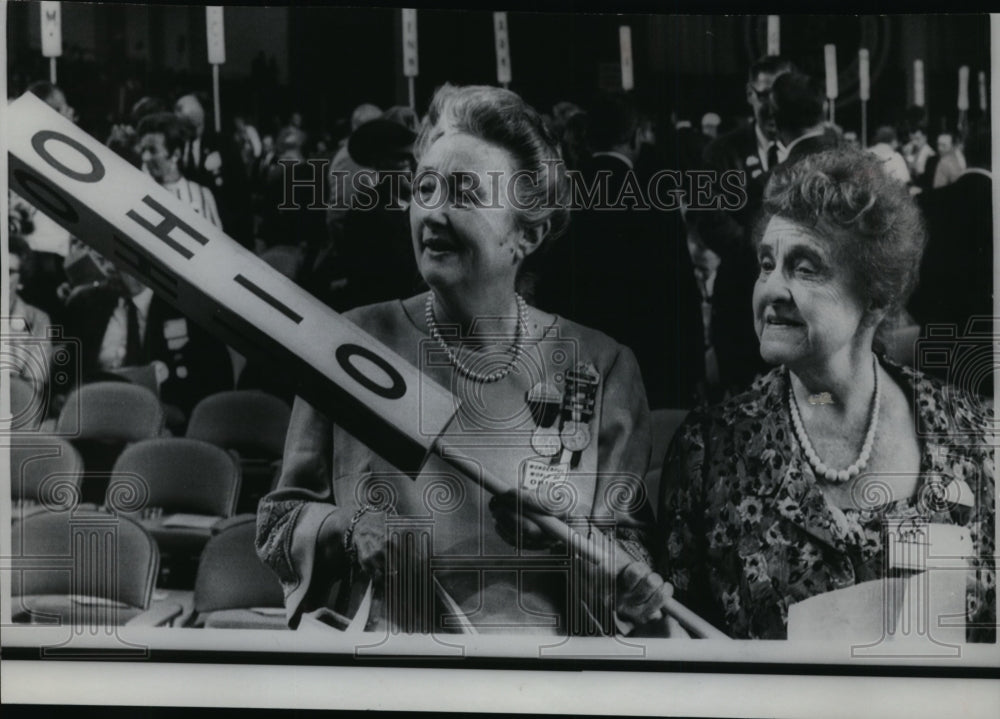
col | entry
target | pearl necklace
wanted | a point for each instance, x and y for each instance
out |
(475, 375)
(820, 468)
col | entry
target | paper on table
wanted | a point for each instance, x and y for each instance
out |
(190, 521)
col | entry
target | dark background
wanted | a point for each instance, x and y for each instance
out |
(323, 61)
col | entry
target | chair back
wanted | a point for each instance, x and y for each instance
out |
(178, 475)
(231, 575)
(27, 404)
(251, 422)
(105, 557)
(663, 425)
(46, 471)
(115, 411)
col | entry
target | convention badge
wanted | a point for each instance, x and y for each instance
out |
(175, 332)
(546, 442)
(538, 476)
(915, 544)
(575, 436)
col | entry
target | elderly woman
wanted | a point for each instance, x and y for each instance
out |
(561, 407)
(784, 492)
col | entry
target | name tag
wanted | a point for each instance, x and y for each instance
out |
(542, 477)
(915, 544)
(175, 332)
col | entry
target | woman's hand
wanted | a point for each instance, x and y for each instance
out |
(369, 542)
(641, 594)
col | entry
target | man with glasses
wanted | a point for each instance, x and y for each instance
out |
(721, 238)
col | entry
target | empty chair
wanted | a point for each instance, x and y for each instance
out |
(142, 375)
(664, 423)
(84, 568)
(234, 589)
(45, 473)
(176, 488)
(27, 404)
(101, 418)
(253, 424)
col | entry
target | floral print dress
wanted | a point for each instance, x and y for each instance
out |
(746, 530)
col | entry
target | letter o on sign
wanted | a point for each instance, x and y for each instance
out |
(46, 196)
(348, 351)
(42, 137)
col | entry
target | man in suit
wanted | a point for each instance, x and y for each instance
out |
(213, 162)
(624, 268)
(751, 148)
(121, 323)
(956, 273)
(797, 102)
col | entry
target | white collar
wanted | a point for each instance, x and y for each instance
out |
(978, 171)
(763, 143)
(143, 300)
(613, 153)
(797, 140)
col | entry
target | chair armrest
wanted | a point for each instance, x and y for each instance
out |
(158, 615)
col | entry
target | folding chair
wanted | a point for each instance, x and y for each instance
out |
(234, 589)
(100, 419)
(253, 424)
(664, 423)
(44, 473)
(177, 489)
(85, 568)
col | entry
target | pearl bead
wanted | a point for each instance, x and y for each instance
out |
(814, 460)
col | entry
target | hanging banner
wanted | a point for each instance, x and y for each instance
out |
(411, 67)
(625, 41)
(918, 83)
(830, 52)
(502, 46)
(963, 87)
(864, 86)
(773, 35)
(51, 29)
(216, 32)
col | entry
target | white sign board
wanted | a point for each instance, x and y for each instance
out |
(963, 87)
(864, 81)
(918, 83)
(216, 31)
(773, 35)
(625, 41)
(503, 47)
(411, 66)
(830, 55)
(51, 29)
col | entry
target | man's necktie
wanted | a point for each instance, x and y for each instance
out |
(772, 156)
(133, 341)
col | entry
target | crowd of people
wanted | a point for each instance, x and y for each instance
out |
(830, 254)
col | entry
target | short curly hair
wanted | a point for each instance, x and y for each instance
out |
(873, 225)
(502, 118)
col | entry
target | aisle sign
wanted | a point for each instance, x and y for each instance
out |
(51, 29)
